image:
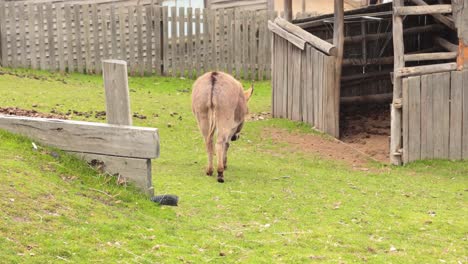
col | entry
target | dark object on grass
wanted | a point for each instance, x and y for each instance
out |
(166, 199)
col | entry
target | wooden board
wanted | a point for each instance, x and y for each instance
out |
(427, 129)
(465, 115)
(296, 83)
(137, 171)
(441, 114)
(456, 115)
(96, 138)
(310, 86)
(414, 118)
(405, 124)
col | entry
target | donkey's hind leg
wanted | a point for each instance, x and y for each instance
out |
(207, 132)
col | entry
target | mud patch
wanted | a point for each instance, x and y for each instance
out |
(258, 116)
(323, 147)
(30, 113)
(367, 128)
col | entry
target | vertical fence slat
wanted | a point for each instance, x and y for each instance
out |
(50, 35)
(296, 81)
(32, 35)
(285, 70)
(149, 39)
(165, 48)
(197, 42)
(22, 31)
(315, 86)
(181, 42)
(465, 115)
(230, 41)
(245, 37)
(13, 34)
(253, 45)
(113, 31)
(3, 39)
(190, 60)
(405, 117)
(96, 39)
(238, 41)
(206, 37)
(42, 52)
(157, 37)
(141, 64)
(69, 30)
(173, 40)
(60, 35)
(221, 35)
(131, 39)
(78, 39)
(214, 50)
(414, 118)
(427, 142)
(441, 114)
(86, 40)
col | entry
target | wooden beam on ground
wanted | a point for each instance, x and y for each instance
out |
(293, 39)
(138, 171)
(316, 42)
(422, 10)
(87, 137)
(114, 73)
(427, 69)
(338, 42)
(441, 18)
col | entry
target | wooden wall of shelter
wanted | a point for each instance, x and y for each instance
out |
(303, 79)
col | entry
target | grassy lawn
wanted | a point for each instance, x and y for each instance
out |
(278, 205)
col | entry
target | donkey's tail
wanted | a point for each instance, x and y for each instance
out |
(212, 108)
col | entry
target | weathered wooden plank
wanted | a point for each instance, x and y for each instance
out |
(69, 29)
(13, 34)
(456, 115)
(190, 60)
(181, 42)
(96, 40)
(132, 40)
(230, 41)
(140, 61)
(149, 30)
(315, 85)
(42, 52)
(465, 115)
(87, 36)
(60, 35)
(96, 138)
(158, 39)
(237, 42)
(405, 118)
(290, 83)
(78, 40)
(426, 69)
(137, 171)
(298, 42)
(296, 84)
(165, 46)
(50, 34)
(214, 48)
(173, 41)
(117, 94)
(198, 39)
(22, 26)
(245, 37)
(427, 138)
(113, 31)
(206, 37)
(321, 94)
(220, 40)
(32, 34)
(253, 46)
(309, 85)
(303, 87)
(414, 118)
(285, 71)
(274, 81)
(329, 101)
(441, 114)
(3, 38)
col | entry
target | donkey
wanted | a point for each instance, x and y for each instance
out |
(219, 103)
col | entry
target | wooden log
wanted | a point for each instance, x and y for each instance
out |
(427, 69)
(117, 95)
(441, 18)
(396, 113)
(293, 39)
(431, 56)
(338, 42)
(422, 10)
(86, 137)
(316, 42)
(446, 44)
(135, 170)
(365, 99)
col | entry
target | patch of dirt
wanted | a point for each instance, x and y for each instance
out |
(367, 128)
(258, 116)
(327, 148)
(365, 134)
(30, 113)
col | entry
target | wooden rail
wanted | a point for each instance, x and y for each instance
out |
(422, 10)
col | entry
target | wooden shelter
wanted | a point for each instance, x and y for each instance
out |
(347, 57)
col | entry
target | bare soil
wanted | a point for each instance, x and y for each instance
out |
(30, 113)
(364, 137)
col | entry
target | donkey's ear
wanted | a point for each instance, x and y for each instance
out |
(249, 93)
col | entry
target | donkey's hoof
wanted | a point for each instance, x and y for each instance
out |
(209, 172)
(220, 180)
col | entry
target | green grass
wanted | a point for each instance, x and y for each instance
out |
(56, 210)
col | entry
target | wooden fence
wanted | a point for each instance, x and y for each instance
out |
(435, 116)
(152, 39)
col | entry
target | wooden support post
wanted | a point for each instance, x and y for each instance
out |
(396, 113)
(338, 42)
(117, 95)
(288, 10)
(460, 13)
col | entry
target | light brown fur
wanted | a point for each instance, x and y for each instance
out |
(219, 103)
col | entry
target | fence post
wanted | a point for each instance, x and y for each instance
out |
(117, 95)
(3, 53)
